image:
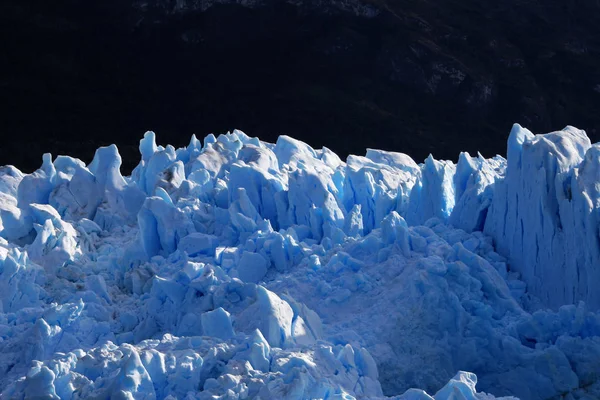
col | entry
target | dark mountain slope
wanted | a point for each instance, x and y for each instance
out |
(410, 76)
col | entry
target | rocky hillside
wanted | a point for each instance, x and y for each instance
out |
(411, 76)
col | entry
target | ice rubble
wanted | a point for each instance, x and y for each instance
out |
(238, 268)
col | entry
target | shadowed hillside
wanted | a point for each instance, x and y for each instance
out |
(417, 77)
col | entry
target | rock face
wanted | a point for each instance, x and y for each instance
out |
(358, 8)
(416, 77)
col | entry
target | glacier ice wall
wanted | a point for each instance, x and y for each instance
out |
(239, 268)
(544, 215)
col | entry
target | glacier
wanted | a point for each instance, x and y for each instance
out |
(234, 268)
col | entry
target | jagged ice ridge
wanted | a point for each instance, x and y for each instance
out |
(241, 269)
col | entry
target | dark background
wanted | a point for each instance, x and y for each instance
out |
(413, 76)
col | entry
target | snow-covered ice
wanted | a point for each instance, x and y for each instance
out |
(240, 269)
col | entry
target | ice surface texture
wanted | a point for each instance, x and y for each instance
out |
(545, 213)
(236, 268)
